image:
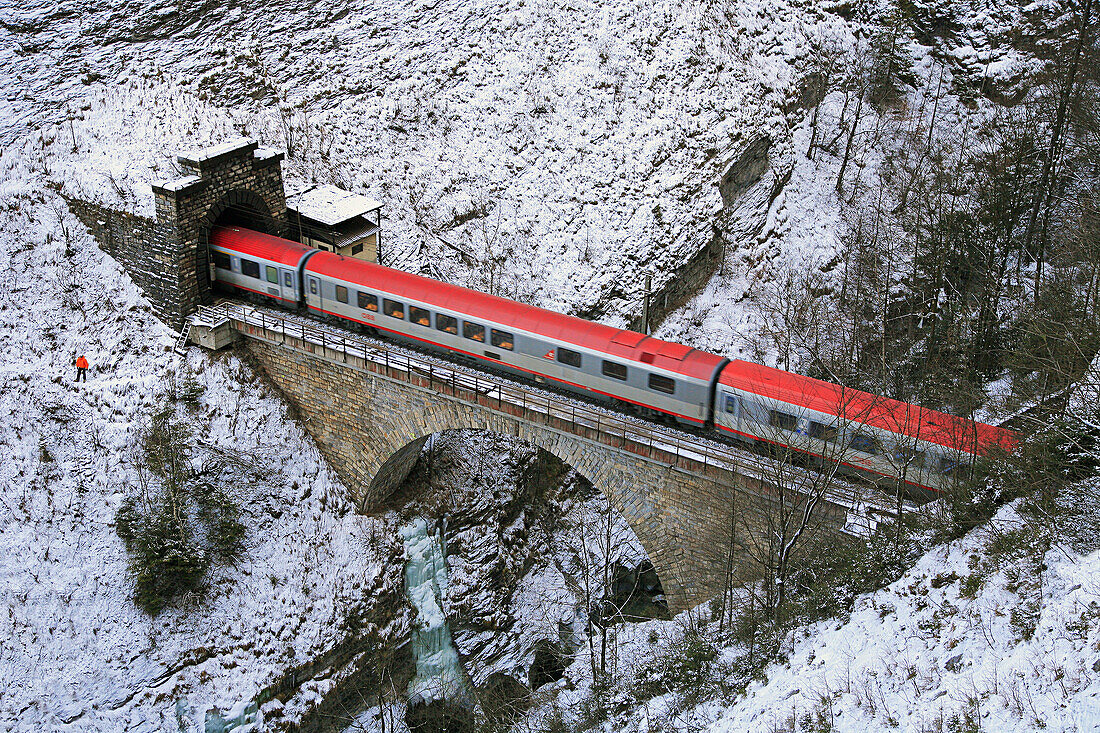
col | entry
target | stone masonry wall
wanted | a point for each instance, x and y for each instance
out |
(238, 173)
(138, 243)
(370, 428)
(167, 257)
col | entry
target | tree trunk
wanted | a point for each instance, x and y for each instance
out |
(848, 145)
(1054, 149)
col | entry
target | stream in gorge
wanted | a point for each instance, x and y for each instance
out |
(493, 543)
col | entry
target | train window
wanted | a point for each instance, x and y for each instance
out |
(782, 420)
(661, 384)
(731, 404)
(288, 280)
(865, 443)
(420, 316)
(947, 465)
(614, 370)
(250, 268)
(368, 302)
(569, 357)
(313, 287)
(448, 324)
(502, 340)
(272, 275)
(341, 294)
(221, 259)
(906, 456)
(821, 431)
(473, 331)
(754, 411)
(393, 309)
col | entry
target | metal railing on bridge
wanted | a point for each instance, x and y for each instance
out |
(681, 450)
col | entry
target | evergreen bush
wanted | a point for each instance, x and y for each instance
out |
(178, 521)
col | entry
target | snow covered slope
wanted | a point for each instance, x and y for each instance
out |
(76, 652)
(556, 153)
(955, 644)
(935, 650)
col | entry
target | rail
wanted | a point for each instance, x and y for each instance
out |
(684, 451)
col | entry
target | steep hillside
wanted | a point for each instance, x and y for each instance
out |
(555, 154)
(966, 640)
(78, 652)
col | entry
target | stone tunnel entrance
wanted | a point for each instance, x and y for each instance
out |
(242, 208)
(237, 183)
(239, 207)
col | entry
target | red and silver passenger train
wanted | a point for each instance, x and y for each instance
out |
(874, 436)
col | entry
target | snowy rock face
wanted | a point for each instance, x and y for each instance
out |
(76, 650)
(556, 154)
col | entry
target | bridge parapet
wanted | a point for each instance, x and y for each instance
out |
(371, 406)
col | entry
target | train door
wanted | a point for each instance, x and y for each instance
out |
(729, 410)
(271, 277)
(313, 294)
(287, 286)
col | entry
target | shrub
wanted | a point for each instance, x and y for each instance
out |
(189, 391)
(167, 562)
(176, 523)
(684, 667)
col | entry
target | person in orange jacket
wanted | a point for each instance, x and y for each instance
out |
(81, 368)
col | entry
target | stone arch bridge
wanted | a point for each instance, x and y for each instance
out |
(371, 408)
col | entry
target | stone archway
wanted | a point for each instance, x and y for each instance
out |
(242, 207)
(237, 207)
(370, 426)
(239, 178)
(557, 458)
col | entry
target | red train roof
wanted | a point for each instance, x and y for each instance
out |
(259, 245)
(615, 342)
(880, 412)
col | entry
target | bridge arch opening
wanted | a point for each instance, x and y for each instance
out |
(535, 554)
(534, 499)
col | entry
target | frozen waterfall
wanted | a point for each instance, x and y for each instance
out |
(439, 674)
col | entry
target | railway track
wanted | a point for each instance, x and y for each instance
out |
(682, 449)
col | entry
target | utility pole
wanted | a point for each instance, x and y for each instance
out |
(645, 306)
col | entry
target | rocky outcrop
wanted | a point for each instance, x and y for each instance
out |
(748, 185)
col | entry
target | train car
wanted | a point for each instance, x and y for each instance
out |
(258, 263)
(873, 436)
(651, 375)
